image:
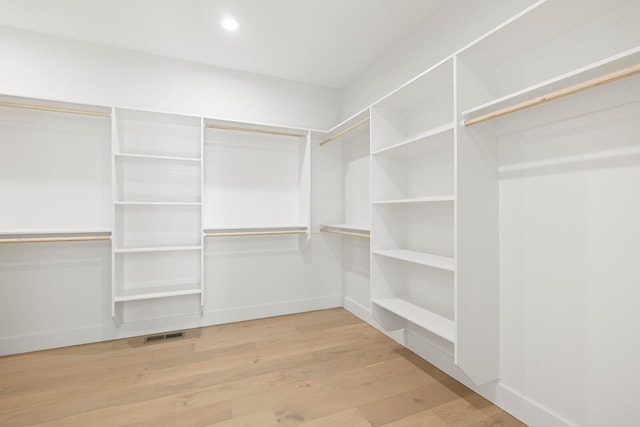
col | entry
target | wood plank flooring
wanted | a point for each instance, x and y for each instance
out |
(319, 369)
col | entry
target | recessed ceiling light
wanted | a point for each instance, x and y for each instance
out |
(230, 24)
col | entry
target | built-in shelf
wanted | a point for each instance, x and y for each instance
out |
(346, 230)
(257, 230)
(154, 157)
(422, 258)
(158, 203)
(597, 69)
(254, 227)
(138, 294)
(434, 140)
(431, 199)
(157, 249)
(52, 233)
(34, 236)
(419, 316)
(348, 227)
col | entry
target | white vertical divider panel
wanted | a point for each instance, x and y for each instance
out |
(456, 315)
(115, 242)
(304, 190)
(202, 215)
(477, 256)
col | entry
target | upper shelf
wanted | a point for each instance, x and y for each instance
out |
(542, 90)
(434, 140)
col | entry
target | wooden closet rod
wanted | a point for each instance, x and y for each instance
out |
(347, 130)
(253, 233)
(268, 132)
(54, 239)
(55, 109)
(627, 72)
(346, 233)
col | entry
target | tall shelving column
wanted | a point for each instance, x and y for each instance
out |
(413, 197)
(157, 201)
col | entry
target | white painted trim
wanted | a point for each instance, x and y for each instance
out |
(261, 311)
(356, 309)
(525, 409)
(96, 333)
(529, 411)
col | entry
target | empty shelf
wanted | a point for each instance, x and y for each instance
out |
(346, 230)
(154, 157)
(158, 203)
(257, 230)
(431, 141)
(157, 292)
(417, 315)
(157, 249)
(577, 76)
(435, 261)
(431, 199)
(53, 236)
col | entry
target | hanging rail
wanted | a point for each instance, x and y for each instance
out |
(347, 130)
(345, 233)
(54, 109)
(627, 72)
(253, 233)
(268, 132)
(53, 239)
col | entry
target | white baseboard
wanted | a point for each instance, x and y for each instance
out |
(357, 309)
(500, 394)
(109, 331)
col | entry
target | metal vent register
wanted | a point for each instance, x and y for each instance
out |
(162, 337)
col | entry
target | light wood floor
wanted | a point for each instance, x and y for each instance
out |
(324, 368)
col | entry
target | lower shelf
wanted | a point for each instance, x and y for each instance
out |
(420, 316)
(158, 292)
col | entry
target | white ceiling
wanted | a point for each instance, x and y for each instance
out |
(325, 42)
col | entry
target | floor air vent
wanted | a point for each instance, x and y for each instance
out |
(162, 337)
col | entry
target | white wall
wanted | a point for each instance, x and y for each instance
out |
(56, 294)
(570, 239)
(39, 66)
(451, 28)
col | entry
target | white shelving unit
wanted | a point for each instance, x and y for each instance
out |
(268, 169)
(157, 197)
(413, 208)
